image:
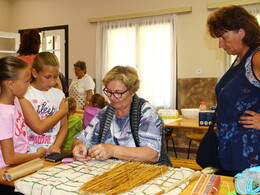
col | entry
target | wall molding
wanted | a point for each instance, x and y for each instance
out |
(235, 2)
(142, 14)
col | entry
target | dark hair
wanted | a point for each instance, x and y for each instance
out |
(10, 67)
(81, 65)
(233, 18)
(30, 42)
(98, 100)
(128, 75)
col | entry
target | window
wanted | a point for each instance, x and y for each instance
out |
(147, 44)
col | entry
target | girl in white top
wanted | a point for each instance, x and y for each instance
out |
(47, 101)
(14, 80)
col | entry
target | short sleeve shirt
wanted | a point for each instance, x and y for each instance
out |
(12, 125)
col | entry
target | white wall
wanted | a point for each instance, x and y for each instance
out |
(5, 15)
(195, 48)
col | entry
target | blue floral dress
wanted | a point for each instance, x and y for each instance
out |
(237, 91)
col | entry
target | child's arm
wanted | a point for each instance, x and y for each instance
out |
(61, 136)
(35, 123)
(12, 158)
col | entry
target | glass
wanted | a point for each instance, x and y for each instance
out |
(117, 95)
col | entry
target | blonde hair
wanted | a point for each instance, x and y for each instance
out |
(45, 58)
(72, 103)
(128, 75)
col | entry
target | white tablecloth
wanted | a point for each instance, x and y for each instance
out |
(68, 178)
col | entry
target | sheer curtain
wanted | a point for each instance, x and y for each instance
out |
(147, 44)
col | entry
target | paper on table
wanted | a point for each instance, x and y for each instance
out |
(20, 167)
(167, 121)
(24, 171)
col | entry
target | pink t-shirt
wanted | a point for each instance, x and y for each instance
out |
(89, 114)
(12, 125)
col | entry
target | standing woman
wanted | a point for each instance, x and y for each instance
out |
(30, 45)
(238, 91)
(82, 86)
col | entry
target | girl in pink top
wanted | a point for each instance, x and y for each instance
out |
(14, 80)
(97, 102)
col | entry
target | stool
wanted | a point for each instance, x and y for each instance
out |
(195, 137)
(170, 137)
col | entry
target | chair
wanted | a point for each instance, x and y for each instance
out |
(170, 137)
(195, 137)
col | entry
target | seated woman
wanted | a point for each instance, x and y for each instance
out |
(127, 129)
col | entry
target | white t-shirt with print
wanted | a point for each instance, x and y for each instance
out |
(45, 103)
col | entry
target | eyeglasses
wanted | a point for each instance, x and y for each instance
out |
(117, 95)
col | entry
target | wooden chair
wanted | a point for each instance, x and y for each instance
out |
(195, 137)
(170, 137)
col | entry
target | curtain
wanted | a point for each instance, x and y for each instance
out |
(147, 44)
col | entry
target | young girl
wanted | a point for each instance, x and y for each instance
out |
(97, 102)
(14, 79)
(74, 123)
(43, 98)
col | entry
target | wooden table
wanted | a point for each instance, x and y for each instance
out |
(227, 185)
(226, 182)
(11, 183)
(184, 123)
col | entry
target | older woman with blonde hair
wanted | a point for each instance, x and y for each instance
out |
(127, 129)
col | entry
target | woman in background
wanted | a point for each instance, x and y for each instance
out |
(238, 91)
(82, 86)
(30, 45)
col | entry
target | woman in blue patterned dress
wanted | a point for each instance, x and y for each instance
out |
(238, 91)
(127, 129)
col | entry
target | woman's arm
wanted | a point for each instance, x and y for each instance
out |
(106, 151)
(35, 123)
(12, 158)
(88, 98)
(61, 136)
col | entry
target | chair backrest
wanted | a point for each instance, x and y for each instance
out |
(192, 91)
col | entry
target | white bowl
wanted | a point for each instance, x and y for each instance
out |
(191, 113)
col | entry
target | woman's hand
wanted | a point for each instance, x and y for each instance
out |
(41, 151)
(80, 152)
(102, 151)
(252, 121)
(54, 149)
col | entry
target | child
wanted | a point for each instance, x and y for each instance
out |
(43, 98)
(96, 104)
(74, 123)
(14, 79)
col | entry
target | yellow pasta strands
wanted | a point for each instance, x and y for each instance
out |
(123, 178)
